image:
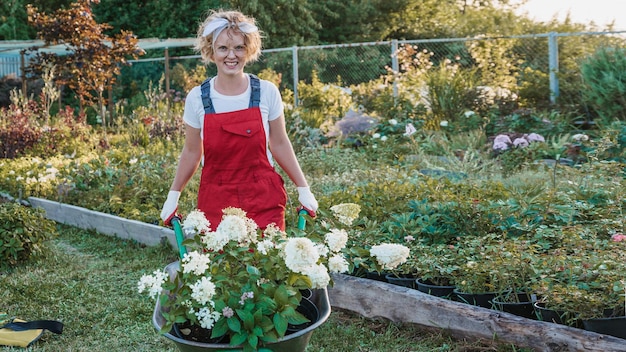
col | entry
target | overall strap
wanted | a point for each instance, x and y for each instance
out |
(205, 88)
(255, 94)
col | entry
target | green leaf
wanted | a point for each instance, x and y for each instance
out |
(247, 318)
(234, 324)
(252, 270)
(280, 323)
(239, 338)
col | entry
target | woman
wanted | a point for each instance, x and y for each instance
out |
(235, 126)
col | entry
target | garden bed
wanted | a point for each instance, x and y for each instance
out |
(372, 299)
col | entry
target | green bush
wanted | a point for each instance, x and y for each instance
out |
(604, 79)
(22, 233)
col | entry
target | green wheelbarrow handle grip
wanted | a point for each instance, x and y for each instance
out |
(302, 219)
(178, 231)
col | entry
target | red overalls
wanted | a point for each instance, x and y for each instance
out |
(236, 171)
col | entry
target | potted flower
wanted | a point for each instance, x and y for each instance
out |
(243, 287)
(438, 269)
(586, 285)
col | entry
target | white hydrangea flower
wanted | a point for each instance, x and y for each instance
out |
(336, 239)
(393, 122)
(195, 262)
(235, 228)
(346, 213)
(207, 318)
(300, 253)
(152, 283)
(195, 223)
(215, 241)
(203, 290)
(390, 255)
(319, 276)
(263, 246)
(338, 264)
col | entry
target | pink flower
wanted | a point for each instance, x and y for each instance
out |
(520, 143)
(502, 138)
(618, 237)
(500, 146)
(534, 137)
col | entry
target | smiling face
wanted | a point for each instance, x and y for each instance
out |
(230, 53)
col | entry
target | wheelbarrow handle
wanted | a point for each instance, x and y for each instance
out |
(178, 231)
(301, 218)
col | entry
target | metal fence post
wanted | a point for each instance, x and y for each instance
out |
(294, 59)
(553, 60)
(394, 65)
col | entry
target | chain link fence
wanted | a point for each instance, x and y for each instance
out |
(544, 67)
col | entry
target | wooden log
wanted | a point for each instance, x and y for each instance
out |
(103, 223)
(373, 299)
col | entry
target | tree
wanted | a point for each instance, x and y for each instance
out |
(93, 59)
(284, 22)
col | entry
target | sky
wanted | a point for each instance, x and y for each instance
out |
(601, 12)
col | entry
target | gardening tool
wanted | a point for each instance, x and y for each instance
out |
(178, 231)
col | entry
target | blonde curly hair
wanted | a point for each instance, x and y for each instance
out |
(204, 41)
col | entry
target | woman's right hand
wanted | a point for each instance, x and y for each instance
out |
(170, 207)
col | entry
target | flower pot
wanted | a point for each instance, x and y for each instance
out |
(373, 275)
(614, 326)
(522, 304)
(292, 342)
(554, 316)
(428, 287)
(309, 310)
(483, 299)
(401, 280)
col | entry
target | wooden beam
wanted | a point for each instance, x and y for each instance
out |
(105, 223)
(374, 299)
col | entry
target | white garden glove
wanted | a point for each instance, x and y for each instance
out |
(170, 207)
(307, 200)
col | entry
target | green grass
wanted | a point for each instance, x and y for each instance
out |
(88, 282)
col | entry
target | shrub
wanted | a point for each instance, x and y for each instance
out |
(604, 79)
(22, 233)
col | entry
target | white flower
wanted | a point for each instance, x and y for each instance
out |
(152, 283)
(196, 223)
(409, 238)
(443, 123)
(338, 264)
(409, 129)
(390, 255)
(203, 290)
(346, 213)
(336, 239)
(300, 253)
(580, 137)
(383, 138)
(376, 135)
(132, 161)
(322, 250)
(318, 275)
(215, 241)
(264, 246)
(195, 262)
(236, 229)
(469, 113)
(207, 318)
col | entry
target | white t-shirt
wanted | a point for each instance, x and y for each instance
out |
(271, 106)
